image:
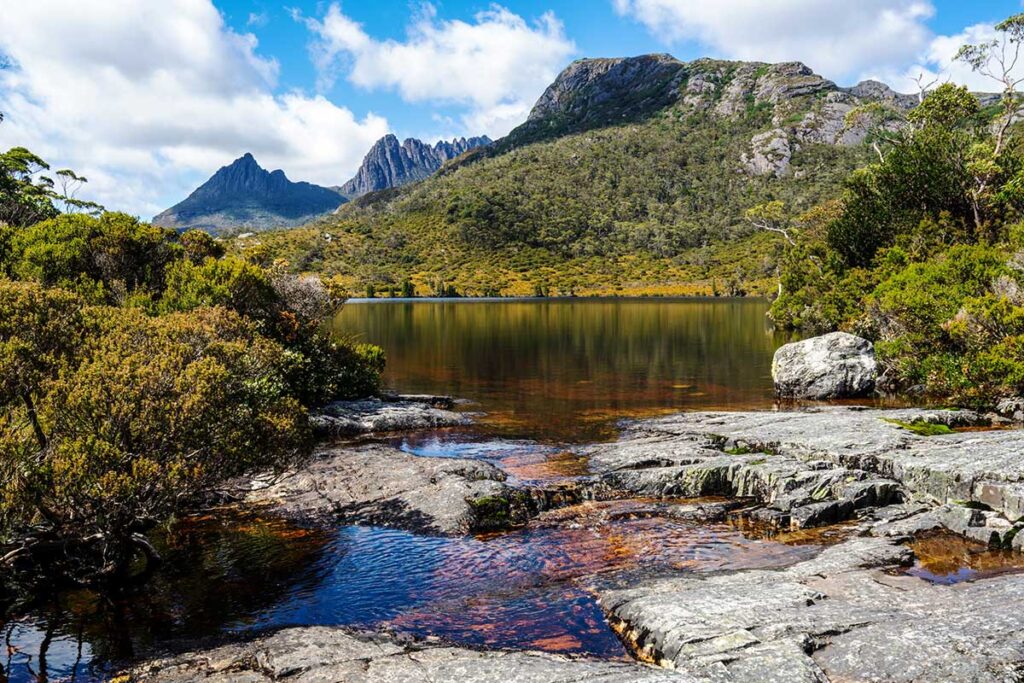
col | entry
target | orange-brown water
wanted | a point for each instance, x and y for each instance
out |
(568, 369)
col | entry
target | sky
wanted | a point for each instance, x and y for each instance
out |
(147, 98)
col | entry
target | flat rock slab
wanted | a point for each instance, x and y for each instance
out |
(837, 617)
(768, 454)
(374, 484)
(390, 414)
(325, 654)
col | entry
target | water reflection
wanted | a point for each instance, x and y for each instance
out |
(219, 569)
(548, 374)
(529, 588)
(947, 558)
(566, 370)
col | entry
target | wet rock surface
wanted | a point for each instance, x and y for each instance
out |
(822, 465)
(373, 484)
(337, 654)
(847, 614)
(836, 365)
(386, 414)
(838, 617)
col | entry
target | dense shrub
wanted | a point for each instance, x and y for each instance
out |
(151, 412)
(139, 369)
(103, 258)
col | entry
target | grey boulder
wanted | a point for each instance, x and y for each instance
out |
(835, 365)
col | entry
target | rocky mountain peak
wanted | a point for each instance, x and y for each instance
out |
(244, 194)
(391, 164)
(593, 92)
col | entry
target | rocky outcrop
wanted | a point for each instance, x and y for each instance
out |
(793, 492)
(383, 486)
(770, 154)
(838, 617)
(836, 365)
(779, 456)
(598, 92)
(386, 414)
(310, 654)
(243, 195)
(390, 164)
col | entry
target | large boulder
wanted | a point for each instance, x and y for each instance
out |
(836, 365)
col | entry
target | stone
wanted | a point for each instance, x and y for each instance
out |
(841, 616)
(387, 414)
(833, 453)
(392, 164)
(330, 654)
(383, 486)
(770, 154)
(836, 365)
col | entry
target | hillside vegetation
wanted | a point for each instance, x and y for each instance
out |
(576, 202)
(924, 251)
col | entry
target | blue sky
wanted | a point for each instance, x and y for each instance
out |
(148, 98)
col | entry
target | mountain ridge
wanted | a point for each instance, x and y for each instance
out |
(391, 164)
(630, 175)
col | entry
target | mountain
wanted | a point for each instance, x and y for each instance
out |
(244, 196)
(629, 176)
(390, 164)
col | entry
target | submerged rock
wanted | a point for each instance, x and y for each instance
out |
(319, 653)
(836, 365)
(388, 414)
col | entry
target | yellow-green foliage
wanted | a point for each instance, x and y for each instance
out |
(654, 207)
(923, 255)
(114, 417)
(150, 412)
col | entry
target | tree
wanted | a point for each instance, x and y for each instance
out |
(998, 59)
(26, 195)
(200, 246)
(948, 106)
(68, 184)
(771, 217)
(106, 257)
(40, 334)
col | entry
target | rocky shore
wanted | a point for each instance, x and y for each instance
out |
(847, 614)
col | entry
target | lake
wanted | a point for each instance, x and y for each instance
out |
(568, 369)
(542, 376)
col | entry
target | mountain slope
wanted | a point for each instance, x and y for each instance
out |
(390, 164)
(630, 175)
(244, 196)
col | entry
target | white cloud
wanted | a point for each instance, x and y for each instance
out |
(497, 65)
(937, 63)
(838, 38)
(146, 98)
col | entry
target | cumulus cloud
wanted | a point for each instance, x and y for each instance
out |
(838, 38)
(937, 63)
(147, 98)
(497, 65)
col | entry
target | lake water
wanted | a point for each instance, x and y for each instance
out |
(543, 376)
(568, 369)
